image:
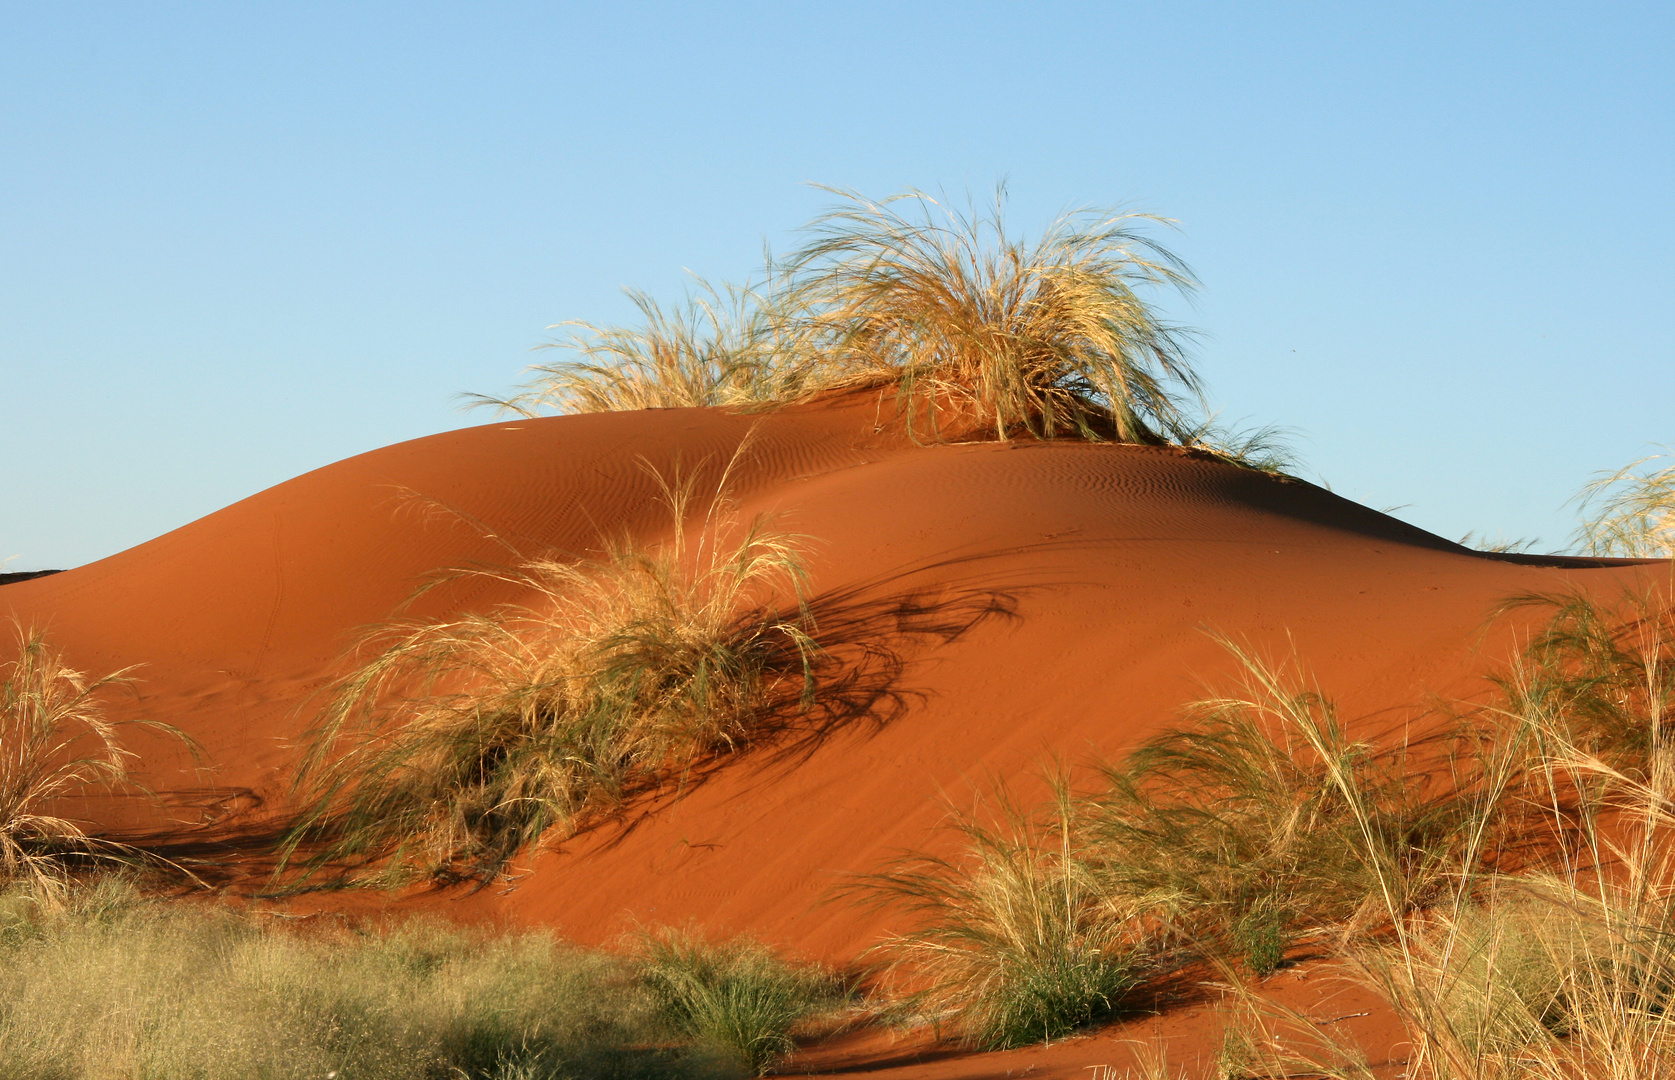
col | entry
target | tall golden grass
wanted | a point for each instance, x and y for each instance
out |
(1048, 337)
(462, 740)
(1514, 908)
(1631, 511)
(57, 743)
(730, 345)
(975, 328)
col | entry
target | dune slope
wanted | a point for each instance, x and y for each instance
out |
(997, 604)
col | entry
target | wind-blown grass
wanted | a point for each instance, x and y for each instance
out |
(1259, 822)
(975, 328)
(1600, 676)
(727, 346)
(1016, 942)
(1630, 512)
(56, 743)
(461, 741)
(1050, 337)
(1564, 966)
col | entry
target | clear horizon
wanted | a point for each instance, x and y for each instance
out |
(244, 244)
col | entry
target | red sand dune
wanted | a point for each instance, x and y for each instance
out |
(1024, 600)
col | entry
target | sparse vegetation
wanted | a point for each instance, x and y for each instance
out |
(56, 743)
(461, 741)
(1237, 828)
(732, 345)
(1507, 887)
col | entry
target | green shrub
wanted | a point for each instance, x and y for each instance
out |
(736, 996)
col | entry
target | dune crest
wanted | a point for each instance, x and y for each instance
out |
(993, 604)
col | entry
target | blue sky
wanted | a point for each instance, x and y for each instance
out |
(245, 240)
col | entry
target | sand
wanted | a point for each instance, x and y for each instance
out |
(1019, 603)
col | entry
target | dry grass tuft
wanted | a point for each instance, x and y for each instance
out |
(976, 329)
(1260, 823)
(727, 346)
(56, 743)
(736, 996)
(463, 740)
(1016, 941)
(1632, 512)
(1050, 337)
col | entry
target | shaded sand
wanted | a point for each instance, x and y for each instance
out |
(1001, 604)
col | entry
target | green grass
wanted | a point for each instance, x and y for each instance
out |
(736, 996)
(462, 741)
(114, 985)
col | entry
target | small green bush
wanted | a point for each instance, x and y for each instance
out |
(735, 996)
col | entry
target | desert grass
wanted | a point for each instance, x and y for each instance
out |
(57, 742)
(1264, 449)
(728, 345)
(1258, 823)
(463, 740)
(1600, 675)
(973, 327)
(115, 985)
(1015, 940)
(1565, 965)
(1630, 512)
(735, 996)
(1054, 336)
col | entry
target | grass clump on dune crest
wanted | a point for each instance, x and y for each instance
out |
(56, 743)
(1016, 942)
(725, 346)
(461, 741)
(1633, 512)
(1050, 337)
(976, 329)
